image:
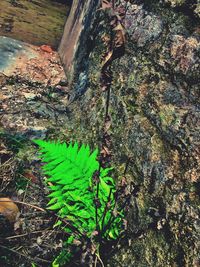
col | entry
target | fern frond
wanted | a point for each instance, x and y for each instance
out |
(70, 170)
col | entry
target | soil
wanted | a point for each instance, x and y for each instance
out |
(34, 96)
(29, 110)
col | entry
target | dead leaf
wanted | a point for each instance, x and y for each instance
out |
(3, 97)
(107, 124)
(30, 176)
(119, 27)
(46, 48)
(76, 242)
(105, 151)
(107, 57)
(123, 182)
(106, 4)
(120, 39)
(9, 209)
(28, 95)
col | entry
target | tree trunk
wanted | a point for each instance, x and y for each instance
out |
(74, 44)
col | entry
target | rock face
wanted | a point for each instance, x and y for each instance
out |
(154, 112)
(38, 64)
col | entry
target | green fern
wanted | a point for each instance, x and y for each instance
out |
(82, 193)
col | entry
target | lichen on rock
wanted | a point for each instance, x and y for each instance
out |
(154, 116)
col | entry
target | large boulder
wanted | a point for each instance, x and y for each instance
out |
(154, 112)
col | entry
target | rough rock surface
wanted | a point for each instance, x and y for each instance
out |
(33, 63)
(154, 108)
(31, 109)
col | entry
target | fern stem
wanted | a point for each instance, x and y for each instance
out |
(96, 208)
(71, 227)
(110, 221)
(97, 197)
(106, 208)
(100, 260)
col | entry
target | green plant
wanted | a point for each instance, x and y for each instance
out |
(13, 142)
(83, 194)
(21, 181)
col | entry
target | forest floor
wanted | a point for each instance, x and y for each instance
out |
(33, 105)
(33, 100)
